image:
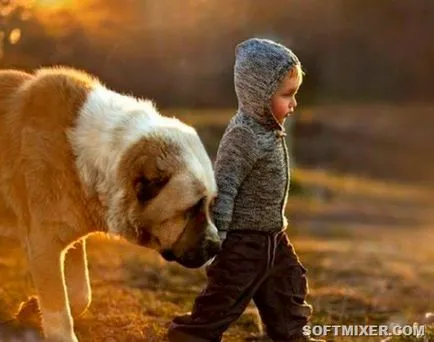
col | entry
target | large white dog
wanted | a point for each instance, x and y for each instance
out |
(78, 158)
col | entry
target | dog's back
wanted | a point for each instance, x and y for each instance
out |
(10, 83)
(35, 157)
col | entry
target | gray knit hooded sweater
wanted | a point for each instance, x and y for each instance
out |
(252, 166)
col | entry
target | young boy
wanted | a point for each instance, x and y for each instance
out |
(257, 260)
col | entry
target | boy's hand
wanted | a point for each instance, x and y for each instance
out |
(222, 227)
(222, 234)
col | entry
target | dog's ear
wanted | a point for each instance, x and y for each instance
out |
(147, 167)
(146, 189)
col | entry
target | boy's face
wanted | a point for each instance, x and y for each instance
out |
(283, 101)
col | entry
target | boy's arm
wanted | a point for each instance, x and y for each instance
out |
(237, 153)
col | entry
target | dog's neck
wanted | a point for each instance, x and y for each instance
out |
(107, 125)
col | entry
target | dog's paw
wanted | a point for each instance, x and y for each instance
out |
(28, 313)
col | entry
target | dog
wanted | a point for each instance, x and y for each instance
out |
(78, 158)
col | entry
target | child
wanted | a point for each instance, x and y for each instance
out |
(257, 260)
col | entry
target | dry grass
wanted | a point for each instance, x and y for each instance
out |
(365, 277)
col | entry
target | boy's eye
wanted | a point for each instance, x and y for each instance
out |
(291, 93)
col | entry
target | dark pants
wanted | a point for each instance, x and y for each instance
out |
(251, 265)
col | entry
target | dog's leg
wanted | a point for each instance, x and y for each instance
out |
(47, 269)
(77, 278)
(8, 220)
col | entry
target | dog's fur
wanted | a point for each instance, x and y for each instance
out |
(78, 158)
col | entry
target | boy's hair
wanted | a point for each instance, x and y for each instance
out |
(297, 71)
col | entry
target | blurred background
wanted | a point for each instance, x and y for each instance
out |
(373, 61)
(362, 138)
(181, 53)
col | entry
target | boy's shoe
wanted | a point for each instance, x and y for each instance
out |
(175, 334)
(309, 339)
(178, 336)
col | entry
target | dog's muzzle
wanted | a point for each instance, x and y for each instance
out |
(197, 256)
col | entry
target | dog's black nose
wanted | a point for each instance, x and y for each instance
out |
(168, 255)
(213, 247)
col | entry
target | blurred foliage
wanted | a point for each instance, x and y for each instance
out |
(182, 53)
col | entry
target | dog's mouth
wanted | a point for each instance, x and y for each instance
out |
(193, 247)
(196, 256)
(168, 255)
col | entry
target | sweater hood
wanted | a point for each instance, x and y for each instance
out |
(260, 66)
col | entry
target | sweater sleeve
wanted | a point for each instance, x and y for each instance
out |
(236, 155)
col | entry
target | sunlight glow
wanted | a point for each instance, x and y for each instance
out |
(60, 17)
(56, 4)
(15, 36)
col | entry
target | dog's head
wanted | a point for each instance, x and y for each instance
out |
(166, 189)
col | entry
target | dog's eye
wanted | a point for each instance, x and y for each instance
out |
(195, 210)
(198, 206)
(147, 189)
